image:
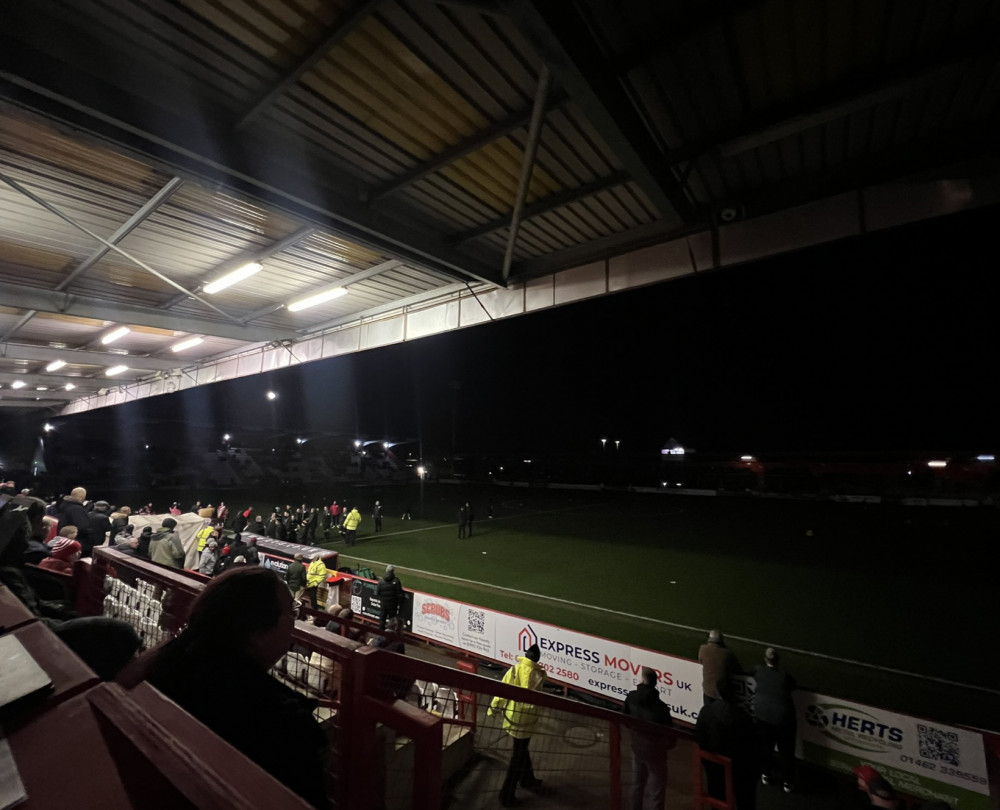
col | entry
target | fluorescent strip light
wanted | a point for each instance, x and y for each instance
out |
(55, 365)
(111, 372)
(70, 386)
(186, 344)
(235, 277)
(318, 298)
(42, 388)
(937, 464)
(18, 384)
(111, 337)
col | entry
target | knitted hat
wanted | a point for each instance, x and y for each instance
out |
(533, 653)
(63, 548)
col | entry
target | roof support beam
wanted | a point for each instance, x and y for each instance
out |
(413, 300)
(10, 181)
(30, 403)
(546, 204)
(130, 225)
(257, 256)
(335, 34)
(575, 57)
(371, 272)
(494, 132)
(17, 295)
(527, 167)
(51, 380)
(28, 395)
(199, 140)
(20, 351)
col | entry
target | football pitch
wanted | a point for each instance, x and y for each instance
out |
(891, 606)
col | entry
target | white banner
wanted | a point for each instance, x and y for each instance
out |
(930, 760)
(590, 663)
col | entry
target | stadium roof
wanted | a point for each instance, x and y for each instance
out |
(444, 162)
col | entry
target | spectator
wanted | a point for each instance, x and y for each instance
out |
(774, 719)
(204, 534)
(119, 520)
(69, 533)
(377, 516)
(717, 663)
(72, 512)
(351, 523)
(295, 577)
(238, 628)
(650, 743)
(252, 553)
(335, 515)
(340, 616)
(127, 543)
(311, 524)
(51, 524)
(519, 721)
(175, 508)
(165, 546)
(463, 521)
(145, 538)
(209, 558)
(724, 728)
(315, 576)
(882, 794)
(147, 509)
(221, 514)
(63, 554)
(100, 526)
(258, 526)
(390, 596)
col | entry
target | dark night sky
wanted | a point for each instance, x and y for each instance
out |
(882, 343)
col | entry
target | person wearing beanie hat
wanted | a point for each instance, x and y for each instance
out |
(209, 558)
(165, 546)
(650, 742)
(390, 596)
(519, 721)
(62, 554)
(717, 662)
(145, 538)
(774, 719)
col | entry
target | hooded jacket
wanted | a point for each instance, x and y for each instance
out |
(519, 718)
(166, 548)
(73, 513)
(353, 520)
(316, 574)
(390, 592)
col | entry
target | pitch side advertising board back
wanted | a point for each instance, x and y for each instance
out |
(930, 760)
(594, 664)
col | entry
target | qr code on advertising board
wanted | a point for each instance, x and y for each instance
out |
(937, 745)
(476, 621)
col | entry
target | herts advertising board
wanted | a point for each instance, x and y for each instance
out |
(924, 759)
(594, 664)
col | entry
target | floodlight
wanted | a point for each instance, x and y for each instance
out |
(18, 384)
(70, 386)
(55, 365)
(271, 395)
(235, 277)
(115, 334)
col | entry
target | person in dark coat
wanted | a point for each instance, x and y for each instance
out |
(239, 627)
(724, 728)
(72, 512)
(100, 525)
(295, 576)
(390, 596)
(650, 742)
(774, 720)
(145, 537)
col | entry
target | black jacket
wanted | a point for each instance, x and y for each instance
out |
(73, 513)
(390, 593)
(100, 525)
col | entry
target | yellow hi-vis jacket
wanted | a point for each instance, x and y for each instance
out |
(203, 536)
(519, 719)
(316, 573)
(353, 520)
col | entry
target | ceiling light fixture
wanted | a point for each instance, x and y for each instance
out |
(186, 344)
(318, 298)
(70, 386)
(18, 384)
(55, 365)
(118, 333)
(111, 372)
(235, 277)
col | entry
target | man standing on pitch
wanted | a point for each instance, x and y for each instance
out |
(650, 743)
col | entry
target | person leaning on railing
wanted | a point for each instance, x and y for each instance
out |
(239, 626)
